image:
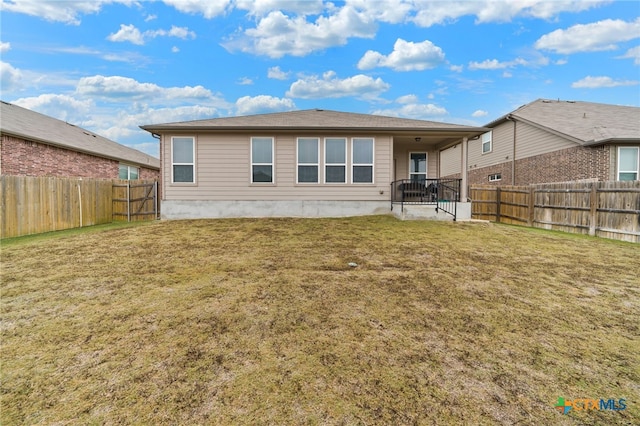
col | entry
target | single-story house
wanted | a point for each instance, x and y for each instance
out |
(553, 141)
(33, 144)
(309, 163)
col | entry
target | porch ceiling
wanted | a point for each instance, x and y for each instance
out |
(434, 140)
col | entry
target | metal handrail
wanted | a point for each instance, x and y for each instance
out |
(443, 193)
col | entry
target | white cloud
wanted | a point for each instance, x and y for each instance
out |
(133, 35)
(417, 111)
(277, 74)
(430, 13)
(150, 18)
(209, 8)
(59, 11)
(407, 99)
(597, 36)
(127, 89)
(329, 86)
(456, 68)
(494, 64)
(10, 77)
(406, 56)
(261, 104)
(175, 49)
(62, 107)
(264, 7)
(633, 53)
(479, 113)
(391, 11)
(278, 35)
(245, 81)
(4, 47)
(590, 82)
(127, 33)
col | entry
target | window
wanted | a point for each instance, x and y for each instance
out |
(183, 159)
(262, 160)
(495, 177)
(362, 156)
(628, 163)
(335, 159)
(486, 142)
(308, 159)
(418, 166)
(127, 172)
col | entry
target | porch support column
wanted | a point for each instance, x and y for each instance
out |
(463, 169)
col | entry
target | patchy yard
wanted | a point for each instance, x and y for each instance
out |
(264, 322)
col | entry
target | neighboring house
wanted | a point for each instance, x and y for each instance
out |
(33, 144)
(307, 163)
(553, 141)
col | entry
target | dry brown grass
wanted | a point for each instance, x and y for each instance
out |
(264, 322)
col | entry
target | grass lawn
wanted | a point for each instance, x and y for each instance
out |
(264, 322)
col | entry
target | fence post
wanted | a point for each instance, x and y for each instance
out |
(498, 197)
(532, 205)
(128, 201)
(593, 209)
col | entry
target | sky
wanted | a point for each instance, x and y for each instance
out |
(110, 66)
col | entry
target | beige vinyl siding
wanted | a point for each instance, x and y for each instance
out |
(535, 141)
(451, 160)
(501, 147)
(223, 171)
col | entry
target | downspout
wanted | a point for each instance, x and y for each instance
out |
(513, 159)
(157, 193)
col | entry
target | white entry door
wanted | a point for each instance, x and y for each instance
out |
(417, 165)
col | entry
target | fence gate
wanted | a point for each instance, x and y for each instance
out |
(135, 200)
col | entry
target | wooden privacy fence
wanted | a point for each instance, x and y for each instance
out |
(135, 200)
(604, 209)
(32, 205)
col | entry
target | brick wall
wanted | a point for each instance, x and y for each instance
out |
(480, 176)
(565, 165)
(26, 158)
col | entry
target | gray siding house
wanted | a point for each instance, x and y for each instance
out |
(553, 141)
(309, 163)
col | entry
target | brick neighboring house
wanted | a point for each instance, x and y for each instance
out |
(33, 144)
(552, 141)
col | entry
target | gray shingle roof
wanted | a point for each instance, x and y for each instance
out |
(312, 119)
(27, 124)
(587, 123)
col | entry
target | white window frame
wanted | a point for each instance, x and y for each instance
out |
(373, 159)
(272, 163)
(495, 177)
(328, 164)
(426, 166)
(129, 168)
(298, 163)
(637, 170)
(192, 163)
(486, 138)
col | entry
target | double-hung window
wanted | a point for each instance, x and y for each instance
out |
(127, 172)
(262, 160)
(628, 161)
(486, 142)
(183, 156)
(308, 160)
(362, 160)
(335, 160)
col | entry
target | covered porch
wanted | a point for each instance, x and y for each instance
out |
(420, 188)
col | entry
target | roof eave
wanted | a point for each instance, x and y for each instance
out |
(609, 141)
(165, 128)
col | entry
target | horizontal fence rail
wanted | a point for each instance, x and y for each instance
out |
(33, 205)
(604, 209)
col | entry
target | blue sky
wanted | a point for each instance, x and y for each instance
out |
(112, 65)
